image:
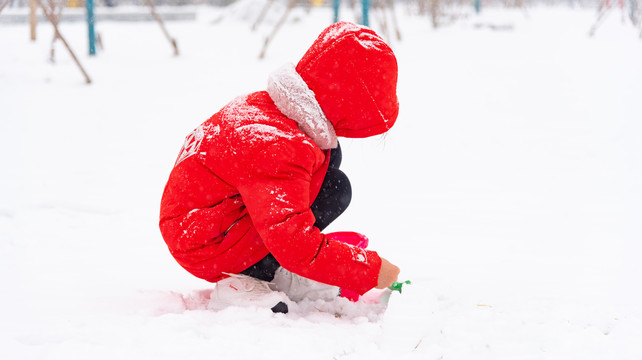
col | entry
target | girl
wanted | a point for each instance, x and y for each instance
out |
(254, 186)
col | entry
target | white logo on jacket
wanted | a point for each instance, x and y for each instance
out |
(191, 145)
(358, 254)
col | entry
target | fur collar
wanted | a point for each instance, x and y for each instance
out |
(295, 100)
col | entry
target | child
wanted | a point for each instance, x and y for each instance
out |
(254, 186)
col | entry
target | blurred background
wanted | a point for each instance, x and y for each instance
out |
(508, 191)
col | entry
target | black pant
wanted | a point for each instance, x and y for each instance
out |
(333, 199)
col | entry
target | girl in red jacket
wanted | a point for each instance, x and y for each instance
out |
(254, 186)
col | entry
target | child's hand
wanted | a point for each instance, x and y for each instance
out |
(387, 275)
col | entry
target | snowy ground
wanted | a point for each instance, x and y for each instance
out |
(508, 192)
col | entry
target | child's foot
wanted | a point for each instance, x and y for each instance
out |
(298, 288)
(243, 290)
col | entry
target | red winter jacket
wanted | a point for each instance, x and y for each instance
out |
(245, 179)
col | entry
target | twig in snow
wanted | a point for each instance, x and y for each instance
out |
(162, 25)
(51, 19)
(4, 4)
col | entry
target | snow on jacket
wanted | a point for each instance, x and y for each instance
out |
(245, 179)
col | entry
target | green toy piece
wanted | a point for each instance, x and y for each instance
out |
(396, 286)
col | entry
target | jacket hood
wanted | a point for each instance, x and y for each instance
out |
(353, 75)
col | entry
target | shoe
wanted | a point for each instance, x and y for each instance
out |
(246, 291)
(297, 287)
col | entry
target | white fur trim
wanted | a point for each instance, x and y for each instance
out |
(296, 101)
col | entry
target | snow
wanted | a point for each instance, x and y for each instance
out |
(508, 192)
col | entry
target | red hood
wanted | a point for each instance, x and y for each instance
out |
(353, 74)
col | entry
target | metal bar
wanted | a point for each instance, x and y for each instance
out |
(91, 20)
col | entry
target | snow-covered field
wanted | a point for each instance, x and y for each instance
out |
(508, 192)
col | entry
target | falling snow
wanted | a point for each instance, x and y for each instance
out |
(508, 192)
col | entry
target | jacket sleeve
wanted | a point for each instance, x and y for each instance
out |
(276, 192)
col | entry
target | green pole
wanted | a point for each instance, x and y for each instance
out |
(91, 19)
